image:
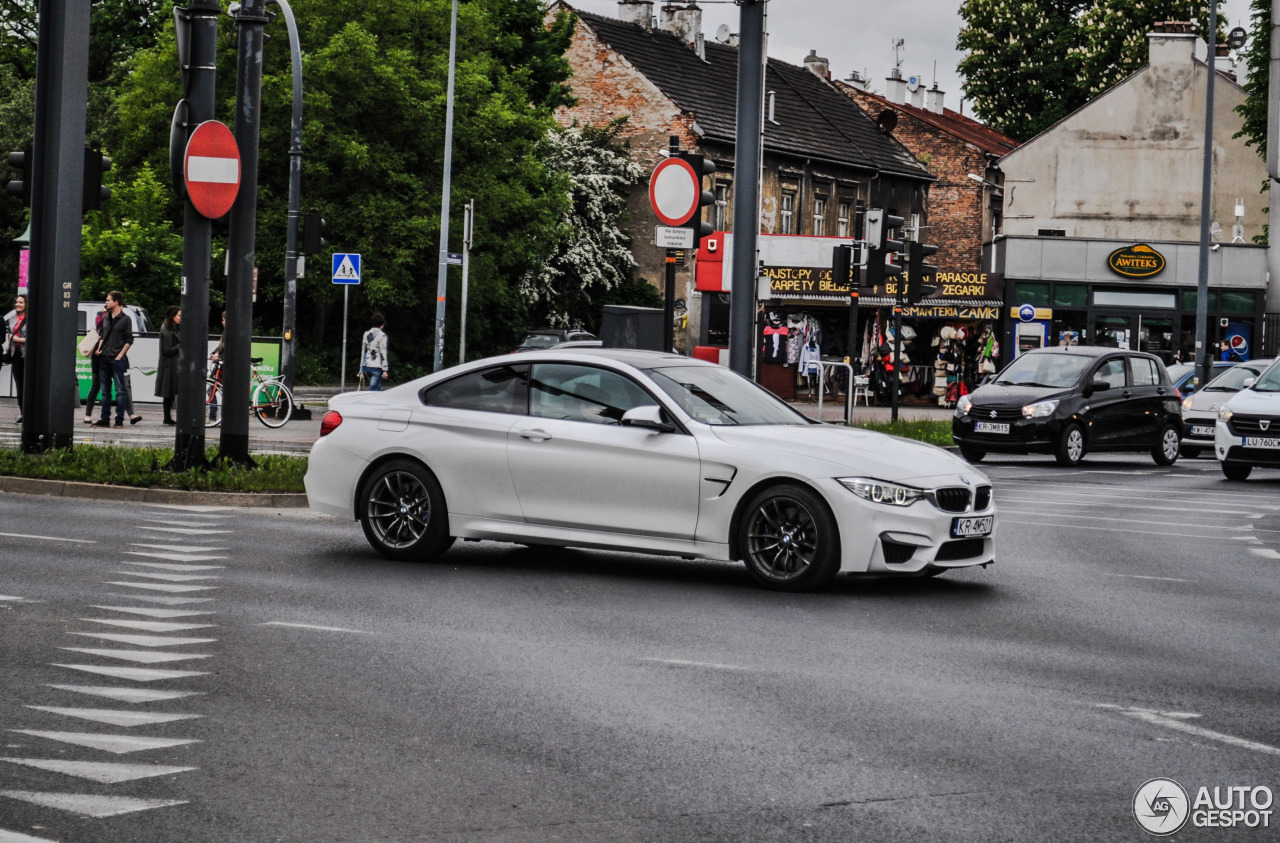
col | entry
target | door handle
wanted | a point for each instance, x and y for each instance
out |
(1127, 394)
(535, 434)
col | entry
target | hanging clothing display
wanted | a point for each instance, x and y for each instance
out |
(775, 341)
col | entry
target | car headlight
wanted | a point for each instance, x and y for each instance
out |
(1186, 403)
(1225, 414)
(878, 491)
(1040, 409)
(963, 406)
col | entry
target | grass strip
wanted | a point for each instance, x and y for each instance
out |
(145, 467)
(933, 431)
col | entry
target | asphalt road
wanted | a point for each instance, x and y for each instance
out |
(1127, 632)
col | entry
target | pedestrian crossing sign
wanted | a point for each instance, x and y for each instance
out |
(346, 268)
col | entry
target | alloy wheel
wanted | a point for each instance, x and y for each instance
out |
(1170, 443)
(782, 539)
(1075, 444)
(399, 509)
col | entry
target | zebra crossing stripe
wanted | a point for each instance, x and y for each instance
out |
(167, 601)
(88, 805)
(140, 656)
(125, 719)
(167, 567)
(168, 577)
(156, 586)
(15, 837)
(100, 771)
(149, 626)
(136, 674)
(147, 611)
(118, 744)
(128, 695)
(145, 640)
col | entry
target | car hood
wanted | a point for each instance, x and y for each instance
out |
(1256, 403)
(995, 395)
(1206, 401)
(850, 451)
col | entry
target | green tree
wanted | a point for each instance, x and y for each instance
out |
(1257, 57)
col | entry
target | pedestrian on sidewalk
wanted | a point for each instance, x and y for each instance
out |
(216, 357)
(373, 354)
(95, 358)
(16, 349)
(117, 337)
(167, 371)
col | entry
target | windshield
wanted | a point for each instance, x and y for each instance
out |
(1178, 370)
(1058, 371)
(713, 395)
(1270, 380)
(1233, 379)
(540, 341)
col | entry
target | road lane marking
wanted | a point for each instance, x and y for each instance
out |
(1111, 505)
(165, 566)
(168, 601)
(88, 805)
(179, 548)
(178, 557)
(47, 538)
(145, 640)
(1110, 529)
(15, 837)
(147, 611)
(185, 531)
(683, 663)
(140, 656)
(185, 508)
(99, 771)
(1092, 517)
(134, 674)
(129, 695)
(155, 586)
(116, 744)
(7, 597)
(151, 626)
(1174, 720)
(168, 577)
(311, 626)
(1193, 495)
(1265, 552)
(1144, 577)
(124, 719)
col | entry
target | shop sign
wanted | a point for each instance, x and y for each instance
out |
(802, 280)
(968, 285)
(950, 311)
(1137, 261)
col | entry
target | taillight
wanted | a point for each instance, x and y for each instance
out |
(1178, 392)
(330, 422)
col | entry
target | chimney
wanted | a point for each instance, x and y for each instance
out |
(1173, 43)
(1224, 63)
(684, 22)
(817, 65)
(895, 89)
(637, 11)
(858, 81)
(917, 96)
(933, 101)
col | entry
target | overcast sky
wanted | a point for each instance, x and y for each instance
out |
(858, 34)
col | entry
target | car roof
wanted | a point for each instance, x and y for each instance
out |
(1082, 350)
(635, 357)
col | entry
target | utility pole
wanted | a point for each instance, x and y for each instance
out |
(442, 279)
(1273, 162)
(747, 154)
(234, 443)
(56, 171)
(200, 22)
(1204, 361)
(291, 253)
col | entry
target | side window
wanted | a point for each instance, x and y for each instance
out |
(1144, 372)
(1112, 371)
(502, 389)
(582, 393)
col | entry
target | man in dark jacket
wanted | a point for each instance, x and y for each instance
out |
(117, 337)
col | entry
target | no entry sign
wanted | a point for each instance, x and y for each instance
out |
(211, 169)
(674, 191)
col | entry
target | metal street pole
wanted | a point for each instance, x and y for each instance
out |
(468, 232)
(442, 281)
(193, 342)
(1273, 162)
(234, 442)
(295, 202)
(1204, 362)
(747, 154)
(56, 171)
(346, 329)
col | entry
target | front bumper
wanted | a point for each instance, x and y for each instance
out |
(1192, 420)
(1025, 436)
(1229, 447)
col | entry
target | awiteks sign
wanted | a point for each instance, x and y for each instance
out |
(1137, 261)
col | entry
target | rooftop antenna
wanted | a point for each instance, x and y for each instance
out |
(898, 44)
(935, 74)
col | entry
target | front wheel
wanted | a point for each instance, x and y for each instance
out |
(973, 455)
(1236, 471)
(1167, 446)
(1070, 448)
(272, 403)
(789, 539)
(402, 511)
(212, 403)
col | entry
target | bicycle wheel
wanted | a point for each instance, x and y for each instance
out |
(213, 403)
(272, 403)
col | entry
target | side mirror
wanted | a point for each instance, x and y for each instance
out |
(1096, 386)
(988, 379)
(649, 417)
(1249, 382)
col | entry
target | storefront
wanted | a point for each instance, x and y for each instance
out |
(1141, 296)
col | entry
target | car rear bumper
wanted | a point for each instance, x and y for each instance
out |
(332, 472)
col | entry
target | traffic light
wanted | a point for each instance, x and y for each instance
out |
(842, 265)
(890, 248)
(95, 192)
(21, 186)
(312, 229)
(919, 271)
(702, 166)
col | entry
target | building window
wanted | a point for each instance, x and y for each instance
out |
(842, 222)
(911, 231)
(788, 213)
(721, 221)
(819, 217)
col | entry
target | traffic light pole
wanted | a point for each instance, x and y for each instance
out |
(747, 153)
(896, 381)
(56, 170)
(189, 437)
(295, 202)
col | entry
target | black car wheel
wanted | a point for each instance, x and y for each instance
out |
(789, 539)
(1070, 448)
(1167, 446)
(402, 511)
(1190, 452)
(1236, 471)
(973, 455)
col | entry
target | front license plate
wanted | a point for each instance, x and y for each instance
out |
(1201, 430)
(990, 427)
(963, 528)
(1259, 442)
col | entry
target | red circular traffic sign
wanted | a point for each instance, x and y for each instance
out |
(674, 191)
(211, 169)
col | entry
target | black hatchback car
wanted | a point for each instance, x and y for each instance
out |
(1068, 401)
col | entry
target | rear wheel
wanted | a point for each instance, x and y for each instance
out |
(402, 511)
(272, 403)
(1236, 471)
(1167, 445)
(972, 454)
(789, 539)
(213, 403)
(1070, 447)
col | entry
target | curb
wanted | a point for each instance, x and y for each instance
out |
(135, 494)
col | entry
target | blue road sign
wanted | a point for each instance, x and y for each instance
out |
(346, 268)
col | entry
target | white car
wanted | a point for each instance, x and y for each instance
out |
(642, 451)
(1247, 433)
(1200, 409)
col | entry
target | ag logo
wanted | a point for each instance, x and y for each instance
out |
(1139, 261)
(1161, 807)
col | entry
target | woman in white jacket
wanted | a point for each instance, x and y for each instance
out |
(373, 354)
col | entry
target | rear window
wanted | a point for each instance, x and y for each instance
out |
(540, 341)
(501, 389)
